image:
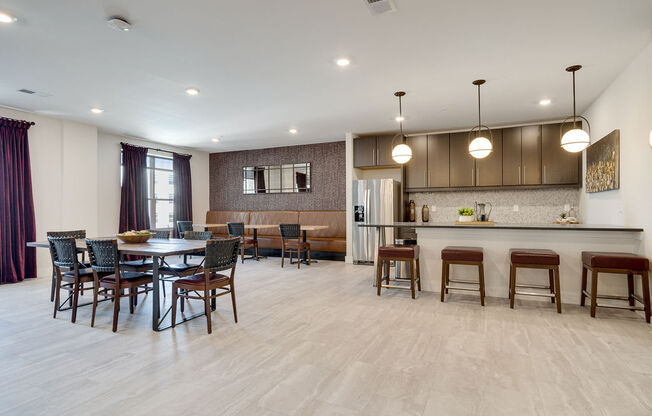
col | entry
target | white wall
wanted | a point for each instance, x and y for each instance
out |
(76, 178)
(626, 105)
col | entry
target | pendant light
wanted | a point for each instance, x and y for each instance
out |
(576, 139)
(481, 146)
(401, 153)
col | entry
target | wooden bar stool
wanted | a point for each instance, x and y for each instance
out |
(619, 263)
(408, 253)
(535, 259)
(471, 256)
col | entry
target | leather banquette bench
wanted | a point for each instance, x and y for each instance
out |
(331, 239)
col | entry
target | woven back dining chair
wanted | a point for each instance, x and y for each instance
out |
(110, 280)
(160, 234)
(183, 226)
(69, 272)
(221, 255)
(291, 243)
(237, 229)
(77, 234)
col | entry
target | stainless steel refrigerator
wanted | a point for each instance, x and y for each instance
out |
(375, 201)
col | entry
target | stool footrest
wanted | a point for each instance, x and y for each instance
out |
(534, 286)
(636, 297)
(466, 282)
(395, 287)
(470, 289)
(545, 295)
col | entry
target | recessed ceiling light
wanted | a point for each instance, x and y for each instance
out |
(215, 139)
(96, 110)
(545, 101)
(6, 18)
(192, 91)
(343, 62)
(399, 118)
(293, 131)
(119, 23)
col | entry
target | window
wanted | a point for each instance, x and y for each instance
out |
(160, 190)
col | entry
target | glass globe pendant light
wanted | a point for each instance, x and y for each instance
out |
(401, 153)
(481, 146)
(576, 139)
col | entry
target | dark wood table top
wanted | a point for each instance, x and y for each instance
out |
(153, 247)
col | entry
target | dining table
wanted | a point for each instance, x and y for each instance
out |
(157, 249)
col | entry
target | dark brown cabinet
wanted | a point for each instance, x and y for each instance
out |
(489, 170)
(462, 166)
(416, 170)
(559, 167)
(438, 160)
(522, 155)
(384, 150)
(364, 152)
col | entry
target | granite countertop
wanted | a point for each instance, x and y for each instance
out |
(507, 226)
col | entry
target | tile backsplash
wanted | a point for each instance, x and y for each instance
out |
(535, 206)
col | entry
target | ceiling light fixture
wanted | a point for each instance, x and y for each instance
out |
(96, 110)
(215, 139)
(293, 131)
(545, 101)
(6, 18)
(576, 139)
(401, 153)
(480, 147)
(192, 91)
(118, 23)
(343, 62)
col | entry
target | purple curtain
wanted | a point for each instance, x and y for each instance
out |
(17, 224)
(182, 190)
(134, 212)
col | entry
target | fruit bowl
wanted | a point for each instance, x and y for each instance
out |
(135, 237)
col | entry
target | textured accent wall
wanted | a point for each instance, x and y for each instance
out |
(328, 187)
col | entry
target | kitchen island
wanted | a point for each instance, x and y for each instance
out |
(569, 240)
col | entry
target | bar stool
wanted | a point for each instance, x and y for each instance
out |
(408, 253)
(535, 259)
(619, 263)
(471, 256)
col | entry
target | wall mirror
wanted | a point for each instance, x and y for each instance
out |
(276, 179)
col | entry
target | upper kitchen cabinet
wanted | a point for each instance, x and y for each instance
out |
(384, 150)
(373, 151)
(522, 155)
(416, 169)
(489, 170)
(462, 165)
(438, 160)
(559, 167)
(364, 152)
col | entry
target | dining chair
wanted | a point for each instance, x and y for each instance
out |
(160, 234)
(110, 280)
(65, 256)
(291, 243)
(183, 226)
(170, 272)
(237, 229)
(77, 234)
(220, 255)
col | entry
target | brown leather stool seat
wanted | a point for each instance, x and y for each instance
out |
(396, 252)
(410, 251)
(534, 258)
(453, 253)
(619, 263)
(470, 256)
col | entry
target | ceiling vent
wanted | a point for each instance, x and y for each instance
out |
(380, 6)
(36, 93)
(26, 91)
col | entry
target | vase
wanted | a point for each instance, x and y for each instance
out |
(412, 211)
(425, 213)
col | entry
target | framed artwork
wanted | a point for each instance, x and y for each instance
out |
(603, 164)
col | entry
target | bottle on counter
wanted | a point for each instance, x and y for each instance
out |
(412, 211)
(425, 213)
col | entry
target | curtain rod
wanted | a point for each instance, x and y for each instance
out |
(158, 150)
(31, 123)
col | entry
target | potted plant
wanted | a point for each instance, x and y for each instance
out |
(466, 214)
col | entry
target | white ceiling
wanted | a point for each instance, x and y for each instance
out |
(265, 66)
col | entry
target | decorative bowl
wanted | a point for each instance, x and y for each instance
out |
(134, 238)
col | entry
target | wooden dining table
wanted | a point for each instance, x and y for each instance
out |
(156, 249)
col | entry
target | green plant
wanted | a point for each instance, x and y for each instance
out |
(465, 212)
